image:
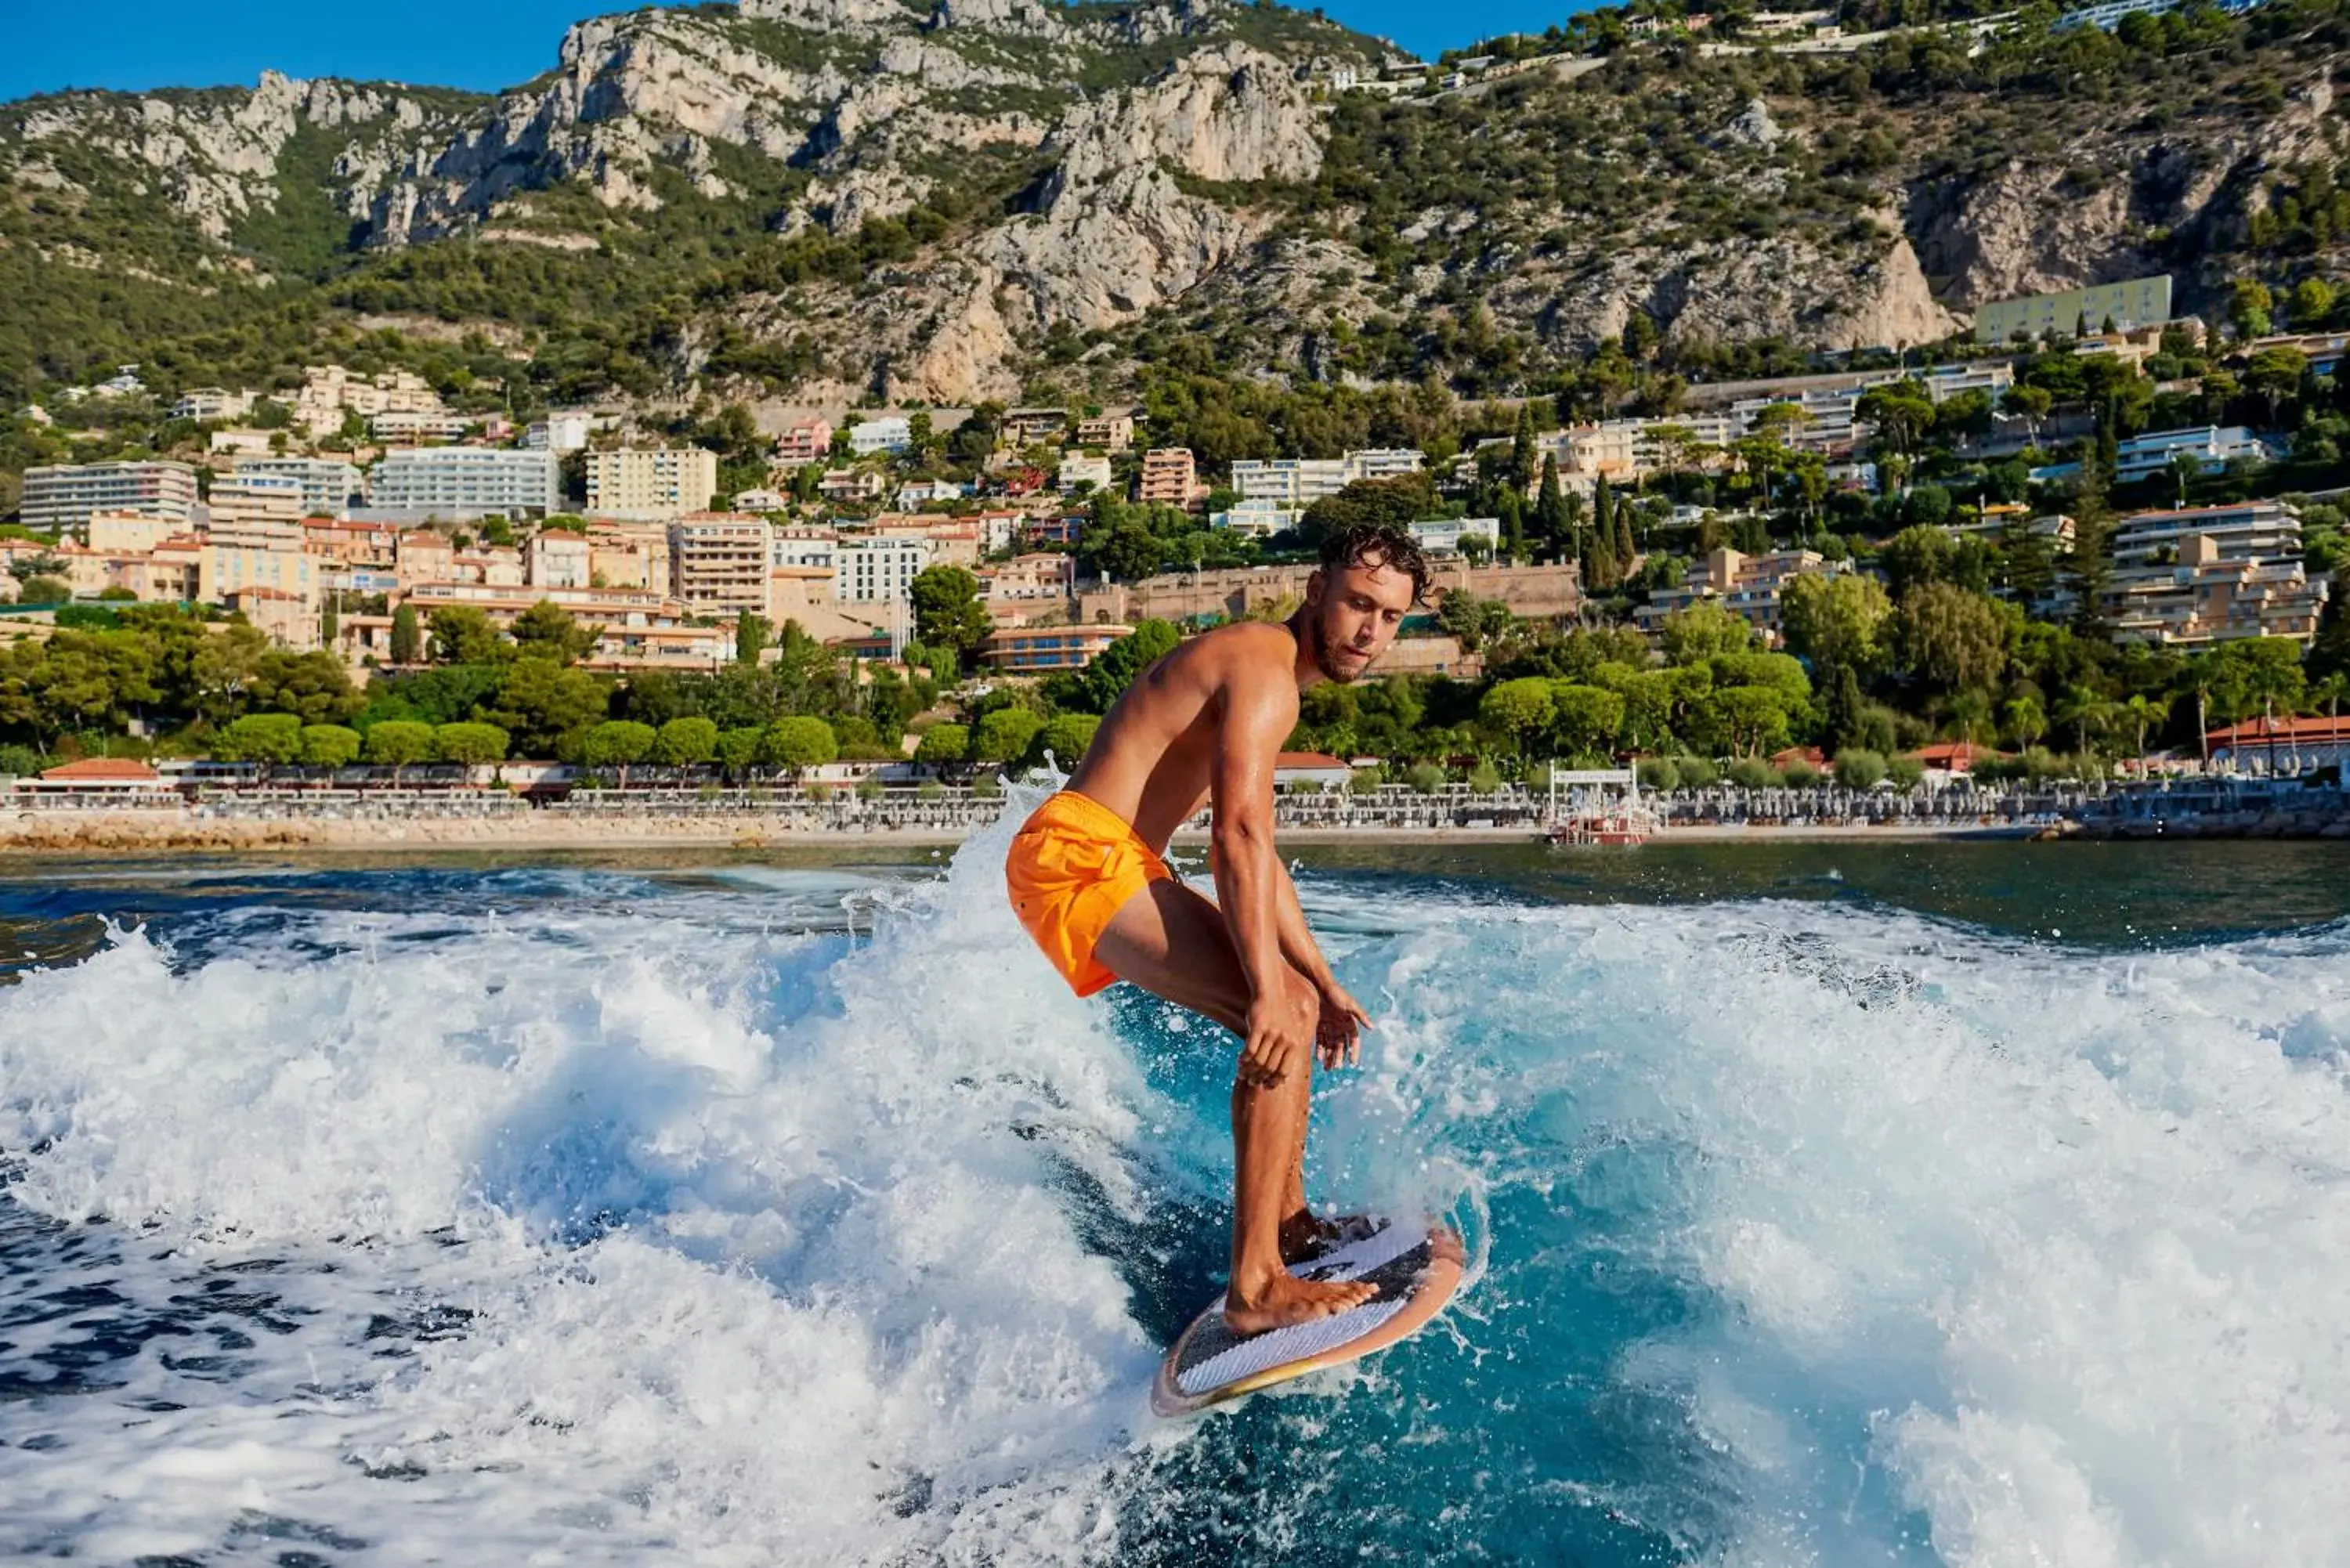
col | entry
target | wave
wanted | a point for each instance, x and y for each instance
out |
(778, 1218)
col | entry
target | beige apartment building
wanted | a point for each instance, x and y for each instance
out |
(720, 561)
(1113, 433)
(1749, 587)
(629, 555)
(664, 481)
(1169, 478)
(555, 559)
(260, 511)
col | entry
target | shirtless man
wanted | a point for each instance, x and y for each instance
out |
(1088, 880)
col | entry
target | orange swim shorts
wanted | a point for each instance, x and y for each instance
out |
(1073, 865)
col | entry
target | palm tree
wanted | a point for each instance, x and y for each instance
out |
(2084, 710)
(2144, 713)
(2026, 720)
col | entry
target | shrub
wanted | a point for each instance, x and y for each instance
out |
(871, 788)
(1697, 772)
(685, 743)
(1753, 773)
(1426, 777)
(1856, 767)
(1366, 780)
(930, 789)
(986, 787)
(1659, 774)
(1800, 774)
(1907, 772)
(799, 742)
(260, 738)
(328, 745)
(396, 742)
(20, 761)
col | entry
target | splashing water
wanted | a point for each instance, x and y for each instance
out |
(758, 1217)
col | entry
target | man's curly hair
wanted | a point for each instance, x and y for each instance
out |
(1377, 545)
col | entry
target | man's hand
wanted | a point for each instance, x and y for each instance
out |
(1337, 1034)
(1280, 1029)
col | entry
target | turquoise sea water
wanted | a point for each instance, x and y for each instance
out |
(1836, 1204)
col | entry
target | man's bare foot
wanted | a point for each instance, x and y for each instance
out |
(1305, 1235)
(1284, 1299)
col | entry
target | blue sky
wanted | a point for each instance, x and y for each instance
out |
(140, 44)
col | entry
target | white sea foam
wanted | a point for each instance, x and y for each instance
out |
(615, 1227)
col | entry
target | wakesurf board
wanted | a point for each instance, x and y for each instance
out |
(1416, 1267)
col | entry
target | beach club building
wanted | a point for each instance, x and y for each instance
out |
(2286, 746)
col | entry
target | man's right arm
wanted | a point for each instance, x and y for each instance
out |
(1260, 710)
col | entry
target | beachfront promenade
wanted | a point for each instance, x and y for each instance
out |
(212, 817)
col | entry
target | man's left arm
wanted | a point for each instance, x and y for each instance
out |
(1338, 1034)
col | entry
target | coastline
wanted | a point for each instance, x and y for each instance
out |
(51, 832)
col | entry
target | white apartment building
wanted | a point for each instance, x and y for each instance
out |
(1258, 519)
(2246, 531)
(329, 486)
(460, 481)
(559, 433)
(1079, 469)
(761, 500)
(212, 403)
(420, 424)
(892, 435)
(2212, 448)
(63, 495)
(878, 570)
(665, 482)
(1300, 481)
(555, 559)
(809, 547)
(721, 559)
(1443, 536)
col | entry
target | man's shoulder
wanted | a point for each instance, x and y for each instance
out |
(1249, 651)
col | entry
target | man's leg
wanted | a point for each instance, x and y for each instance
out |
(1173, 943)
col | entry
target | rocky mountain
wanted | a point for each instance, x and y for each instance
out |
(942, 201)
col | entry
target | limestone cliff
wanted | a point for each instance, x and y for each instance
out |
(1072, 184)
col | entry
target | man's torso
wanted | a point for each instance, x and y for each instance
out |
(1155, 754)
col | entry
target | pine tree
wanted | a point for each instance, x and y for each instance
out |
(1605, 571)
(1550, 507)
(407, 637)
(1843, 708)
(2329, 654)
(1511, 515)
(2091, 564)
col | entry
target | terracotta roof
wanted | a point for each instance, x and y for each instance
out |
(1953, 754)
(2260, 729)
(1308, 760)
(95, 768)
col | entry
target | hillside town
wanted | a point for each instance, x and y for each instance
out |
(1876, 522)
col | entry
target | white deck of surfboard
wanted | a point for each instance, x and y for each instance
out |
(1281, 1346)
